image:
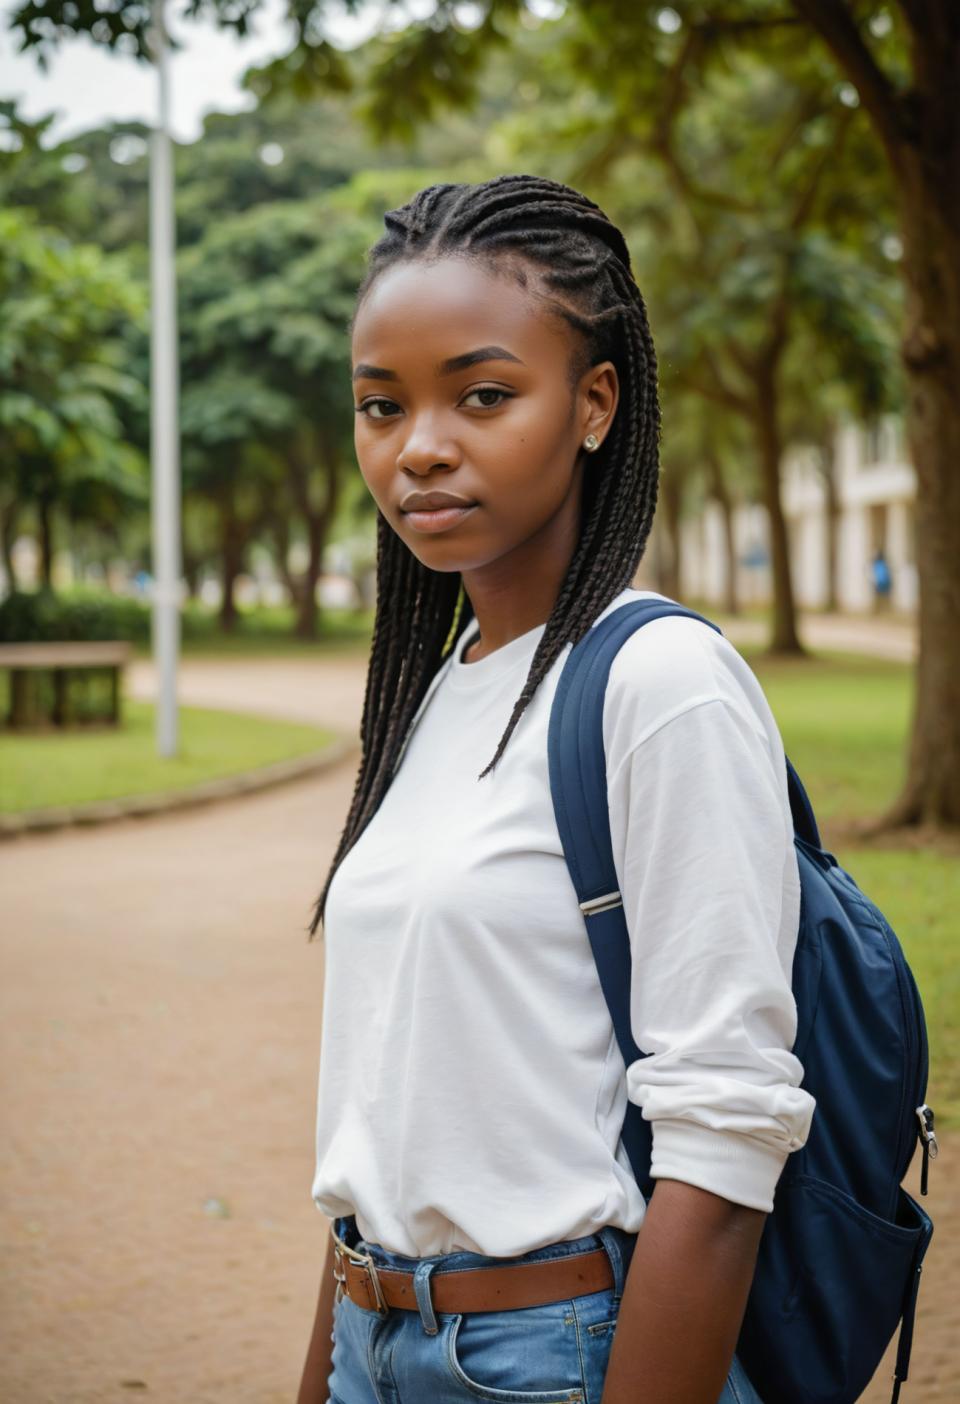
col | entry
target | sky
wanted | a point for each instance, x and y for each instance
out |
(86, 85)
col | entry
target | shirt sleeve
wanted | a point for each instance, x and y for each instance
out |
(703, 846)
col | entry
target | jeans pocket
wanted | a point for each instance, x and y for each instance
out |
(352, 1326)
(597, 1314)
(529, 1355)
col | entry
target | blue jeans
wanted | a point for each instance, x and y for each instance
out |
(554, 1354)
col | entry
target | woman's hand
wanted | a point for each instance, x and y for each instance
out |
(685, 1295)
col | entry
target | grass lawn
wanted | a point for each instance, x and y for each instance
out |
(844, 721)
(46, 769)
(269, 630)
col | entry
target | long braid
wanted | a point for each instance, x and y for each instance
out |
(559, 237)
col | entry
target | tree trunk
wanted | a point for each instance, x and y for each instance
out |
(279, 530)
(8, 536)
(770, 448)
(313, 450)
(671, 494)
(232, 549)
(718, 491)
(306, 626)
(931, 358)
(918, 125)
(45, 523)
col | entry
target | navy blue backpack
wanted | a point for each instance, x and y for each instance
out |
(840, 1256)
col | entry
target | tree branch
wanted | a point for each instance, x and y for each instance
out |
(729, 24)
(714, 387)
(917, 15)
(661, 140)
(804, 205)
(834, 22)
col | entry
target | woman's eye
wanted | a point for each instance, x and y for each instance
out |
(488, 390)
(368, 406)
(485, 397)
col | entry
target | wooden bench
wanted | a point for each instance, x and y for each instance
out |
(64, 661)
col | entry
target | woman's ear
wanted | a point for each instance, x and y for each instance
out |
(598, 396)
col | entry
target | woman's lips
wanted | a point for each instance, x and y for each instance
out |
(438, 518)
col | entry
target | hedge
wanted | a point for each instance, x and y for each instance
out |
(41, 616)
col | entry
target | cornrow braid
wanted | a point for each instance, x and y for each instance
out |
(559, 238)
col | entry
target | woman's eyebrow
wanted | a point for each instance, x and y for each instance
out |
(448, 367)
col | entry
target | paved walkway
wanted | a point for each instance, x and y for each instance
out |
(879, 637)
(328, 692)
(159, 1033)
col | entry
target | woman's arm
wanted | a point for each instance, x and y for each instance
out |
(684, 1299)
(316, 1370)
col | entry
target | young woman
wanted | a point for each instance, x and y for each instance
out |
(489, 1239)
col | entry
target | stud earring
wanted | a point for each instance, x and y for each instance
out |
(591, 442)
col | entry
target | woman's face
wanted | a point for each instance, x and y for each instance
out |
(462, 387)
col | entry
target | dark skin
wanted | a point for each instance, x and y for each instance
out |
(507, 434)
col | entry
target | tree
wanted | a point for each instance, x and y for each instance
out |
(64, 386)
(266, 298)
(916, 117)
(901, 62)
(225, 415)
(743, 250)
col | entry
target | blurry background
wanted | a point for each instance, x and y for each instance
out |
(786, 173)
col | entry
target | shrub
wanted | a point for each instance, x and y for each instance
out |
(41, 616)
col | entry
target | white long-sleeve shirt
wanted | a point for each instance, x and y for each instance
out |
(471, 1090)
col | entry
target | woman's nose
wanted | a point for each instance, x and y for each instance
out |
(428, 446)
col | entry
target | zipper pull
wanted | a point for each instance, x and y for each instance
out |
(929, 1139)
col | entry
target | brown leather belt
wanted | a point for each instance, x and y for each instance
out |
(474, 1289)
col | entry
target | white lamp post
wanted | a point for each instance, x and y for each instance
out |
(164, 414)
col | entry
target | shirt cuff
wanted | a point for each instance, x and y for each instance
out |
(739, 1168)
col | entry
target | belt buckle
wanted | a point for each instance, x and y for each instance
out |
(363, 1260)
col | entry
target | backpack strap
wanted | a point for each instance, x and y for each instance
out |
(578, 783)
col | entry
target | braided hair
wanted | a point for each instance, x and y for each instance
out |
(564, 243)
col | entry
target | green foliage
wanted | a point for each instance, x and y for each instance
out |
(124, 26)
(268, 631)
(437, 66)
(67, 316)
(702, 138)
(41, 616)
(86, 615)
(267, 415)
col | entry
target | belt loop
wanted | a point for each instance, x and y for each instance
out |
(608, 1237)
(344, 1227)
(421, 1289)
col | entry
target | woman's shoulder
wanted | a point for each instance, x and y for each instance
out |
(673, 665)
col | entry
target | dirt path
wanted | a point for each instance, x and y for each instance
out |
(893, 638)
(329, 693)
(159, 1033)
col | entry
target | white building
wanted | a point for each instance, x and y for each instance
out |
(874, 489)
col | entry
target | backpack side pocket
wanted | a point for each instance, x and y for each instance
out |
(837, 1280)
